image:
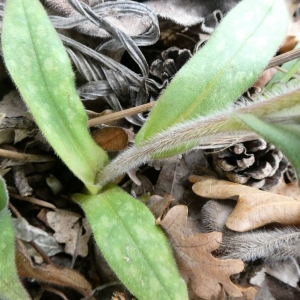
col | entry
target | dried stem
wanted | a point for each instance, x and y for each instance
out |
(121, 114)
(283, 58)
(25, 157)
(32, 200)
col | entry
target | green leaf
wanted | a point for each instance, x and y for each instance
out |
(135, 248)
(235, 55)
(285, 137)
(279, 105)
(10, 286)
(285, 77)
(39, 65)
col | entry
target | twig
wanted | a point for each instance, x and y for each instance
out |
(32, 200)
(14, 210)
(121, 114)
(41, 252)
(275, 61)
(25, 157)
(283, 58)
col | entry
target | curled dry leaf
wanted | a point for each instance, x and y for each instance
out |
(205, 274)
(52, 274)
(264, 78)
(191, 13)
(172, 179)
(111, 138)
(21, 181)
(254, 208)
(68, 230)
(28, 233)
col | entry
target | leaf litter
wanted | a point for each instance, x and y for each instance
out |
(205, 274)
(106, 82)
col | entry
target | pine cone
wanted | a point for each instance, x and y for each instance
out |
(254, 163)
(172, 60)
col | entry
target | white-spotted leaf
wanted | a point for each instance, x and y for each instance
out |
(198, 101)
(10, 286)
(134, 247)
(39, 65)
(230, 62)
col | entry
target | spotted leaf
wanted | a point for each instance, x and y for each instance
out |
(230, 62)
(135, 248)
(40, 67)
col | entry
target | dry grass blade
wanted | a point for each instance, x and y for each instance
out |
(104, 61)
(120, 114)
(135, 19)
(123, 38)
(85, 65)
(283, 58)
(94, 89)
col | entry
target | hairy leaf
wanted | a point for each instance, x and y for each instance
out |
(41, 69)
(135, 248)
(220, 72)
(280, 105)
(197, 102)
(255, 208)
(275, 244)
(10, 286)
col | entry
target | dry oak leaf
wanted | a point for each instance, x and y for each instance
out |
(69, 231)
(111, 138)
(255, 208)
(203, 273)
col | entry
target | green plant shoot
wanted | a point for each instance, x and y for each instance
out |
(198, 101)
(10, 286)
(133, 245)
(230, 62)
(40, 67)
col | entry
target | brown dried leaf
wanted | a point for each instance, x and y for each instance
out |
(52, 274)
(264, 78)
(281, 290)
(67, 230)
(172, 179)
(12, 105)
(254, 208)
(21, 181)
(205, 274)
(191, 13)
(111, 138)
(158, 204)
